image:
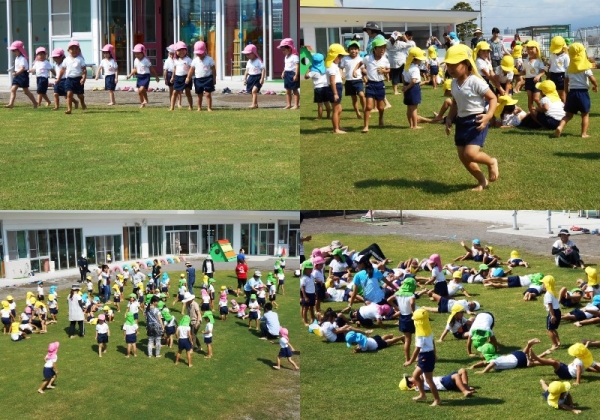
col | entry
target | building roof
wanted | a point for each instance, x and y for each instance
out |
(357, 16)
(321, 3)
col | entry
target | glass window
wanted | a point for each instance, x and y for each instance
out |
(321, 35)
(72, 259)
(20, 24)
(283, 232)
(198, 23)
(39, 26)
(150, 20)
(277, 19)
(193, 243)
(334, 35)
(155, 240)
(61, 25)
(79, 245)
(60, 6)
(13, 248)
(243, 26)
(62, 249)
(245, 237)
(43, 242)
(90, 246)
(33, 248)
(117, 248)
(81, 13)
(54, 246)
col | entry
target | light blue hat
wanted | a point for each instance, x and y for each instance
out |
(318, 63)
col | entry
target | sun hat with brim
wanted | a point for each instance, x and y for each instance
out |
(187, 296)
(404, 386)
(317, 66)
(307, 265)
(532, 44)
(139, 48)
(517, 51)
(378, 42)
(557, 44)
(548, 88)
(160, 305)
(448, 84)
(555, 389)
(350, 44)
(489, 352)
(478, 30)
(333, 52)
(58, 52)
(101, 317)
(505, 100)
(415, 53)
(132, 296)
(481, 46)
(458, 53)
(73, 43)
(476, 241)
(75, 287)
(335, 244)
(507, 64)
(252, 296)
(339, 253)
(483, 267)
(257, 273)
(564, 232)
(318, 260)
(592, 274)
(372, 26)
(457, 275)
(40, 50)
(498, 272)
(579, 61)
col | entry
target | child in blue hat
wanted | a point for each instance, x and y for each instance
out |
(316, 72)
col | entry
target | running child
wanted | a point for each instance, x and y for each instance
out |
(559, 62)
(20, 74)
(50, 370)
(354, 86)
(205, 75)
(142, 69)
(317, 74)
(334, 81)
(272, 290)
(469, 94)
(291, 73)
(41, 67)
(533, 70)
(102, 334)
(412, 85)
(130, 329)
(74, 70)
(254, 77)
(184, 340)
(181, 78)
(286, 349)
(109, 66)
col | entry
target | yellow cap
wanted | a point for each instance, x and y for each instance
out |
(532, 44)
(14, 328)
(422, 325)
(51, 296)
(549, 284)
(432, 51)
(503, 101)
(592, 274)
(459, 53)
(9, 297)
(404, 384)
(557, 44)
(333, 52)
(415, 53)
(105, 308)
(507, 63)
(32, 300)
(581, 352)
(514, 254)
(457, 275)
(517, 51)
(5, 304)
(555, 389)
(579, 61)
(448, 84)
(89, 277)
(481, 46)
(548, 88)
(182, 275)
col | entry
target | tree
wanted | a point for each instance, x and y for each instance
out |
(465, 30)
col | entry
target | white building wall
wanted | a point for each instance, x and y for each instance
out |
(310, 36)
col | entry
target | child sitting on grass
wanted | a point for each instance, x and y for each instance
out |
(583, 361)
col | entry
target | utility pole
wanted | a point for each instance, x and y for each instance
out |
(480, 15)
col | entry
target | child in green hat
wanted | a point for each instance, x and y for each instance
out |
(184, 340)
(130, 333)
(254, 311)
(208, 333)
(170, 326)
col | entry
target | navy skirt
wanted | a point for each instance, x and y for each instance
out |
(42, 85)
(109, 82)
(558, 79)
(406, 324)
(204, 84)
(179, 85)
(285, 352)
(530, 85)
(143, 80)
(74, 85)
(288, 81)
(168, 79)
(21, 80)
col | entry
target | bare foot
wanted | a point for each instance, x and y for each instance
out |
(387, 107)
(416, 128)
(199, 110)
(365, 130)
(10, 106)
(50, 387)
(534, 341)
(210, 109)
(557, 133)
(381, 123)
(585, 136)
(35, 106)
(276, 367)
(110, 103)
(40, 391)
(254, 106)
(190, 365)
(295, 107)
(480, 187)
(577, 324)
(48, 104)
(339, 132)
(493, 170)
(76, 105)
(368, 332)
(419, 398)
(143, 105)
(359, 117)
(435, 403)
(287, 107)
(207, 357)
(55, 109)
(67, 112)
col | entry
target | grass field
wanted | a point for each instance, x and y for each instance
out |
(124, 158)
(366, 385)
(420, 169)
(238, 382)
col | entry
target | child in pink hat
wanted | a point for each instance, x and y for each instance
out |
(102, 334)
(74, 72)
(50, 370)
(285, 350)
(58, 56)
(255, 73)
(109, 66)
(168, 67)
(41, 67)
(142, 69)
(205, 75)
(181, 68)
(291, 73)
(20, 74)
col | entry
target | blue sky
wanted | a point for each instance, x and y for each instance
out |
(509, 13)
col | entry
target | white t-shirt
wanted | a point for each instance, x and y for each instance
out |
(463, 302)
(433, 62)
(42, 68)
(588, 315)
(207, 333)
(130, 329)
(318, 277)
(404, 304)
(512, 120)
(75, 66)
(456, 325)
(438, 274)
(475, 278)
(411, 73)
(50, 362)
(203, 67)
(338, 267)
(182, 66)
(370, 311)
(102, 328)
(550, 298)
(556, 109)
(579, 80)
(454, 287)
(254, 67)
(291, 61)
(533, 68)
(184, 331)
(327, 329)
(348, 65)
(5, 313)
(483, 321)
(371, 345)
(470, 95)
(505, 362)
(253, 306)
(206, 298)
(504, 77)
(142, 66)
(573, 367)
(309, 284)
(284, 342)
(109, 66)
(525, 281)
(397, 53)
(437, 381)
(333, 70)
(372, 66)
(134, 306)
(424, 343)
(21, 63)
(169, 64)
(559, 63)
(319, 80)
(483, 64)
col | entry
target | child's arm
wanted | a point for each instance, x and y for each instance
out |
(214, 75)
(358, 66)
(84, 75)
(333, 88)
(485, 118)
(153, 72)
(539, 76)
(489, 367)
(133, 73)
(465, 292)
(479, 364)
(410, 85)
(552, 315)
(306, 74)
(108, 332)
(189, 75)
(116, 76)
(578, 375)
(165, 74)
(594, 83)
(262, 76)
(245, 75)
(569, 408)
(444, 334)
(296, 72)
(61, 74)
(98, 72)
(451, 114)
(290, 344)
(413, 357)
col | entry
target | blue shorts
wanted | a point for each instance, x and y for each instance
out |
(54, 311)
(406, 324)
(443, 306)
(22, 80)
(478, 257)
(180, 297)
(521, 358)
(164, 289)
(375, 90)
(364, 322)
(516, 261)
(353, 87)
(288, 81)
(135, 316)
(170, 330)
(285, 352)
(563, 372)
(441, 288)
(179, 84)
(184, 344)
(205, 307)
(117, 299)
(253, 81)
(547, 122)
(261, 301)
(530, 85)
(338, 88)
(253, 315)
(109, 82)
(434, 70)
(532, 290)
(168, 79)
(6, 321)
(413, 95)
(426, 361)
(143, 80)
(310, 300)
(208, 340)
(448, 382)
(49, 373)
(553, 326)
(567, 302)
(204, 84)
(578, 100)
(558, 79)
(42, 85)
(102, 338)
(381, 343)
(320, 95)
(579, 314)
(514, 281)
(130, 338)
(467, 135)
(396, 75)
(74, 85)
(223, 310)
(465, 277)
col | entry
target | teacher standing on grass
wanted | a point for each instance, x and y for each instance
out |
(76, 311)
(368, 279)
(156, 274)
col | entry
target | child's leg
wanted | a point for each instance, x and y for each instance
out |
(553, 334)
(529, 100)
(28, 93)
(319, 117)
(13, 96)
(56, 102)
(335, 120)
(173, 99)
(562, 294)
(254, 97)
(418, 381)
(328, 108)
(296, 99)
(433, 389)
(83, 106)
(178, 356)
(42, 386)
(188, 94)
(536, 98)
(363, 100)
(355, 106)
(100, 349)
(111, 96)
(293, 364)
(209, 355)
(380, 108)
(69, 102)
(585, 123)
(367, 115)
(538, 361)
(288, 99)
(312, 314)
(208, 101)
(471, 157)
(141, 91)
(544, 385)
(393, 340)
(39, 99)
(278, 365)
(568, 117)
(461, 384)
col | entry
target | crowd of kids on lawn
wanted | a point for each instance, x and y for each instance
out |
(391, 294)
(150, 297)
(181, 73)
(479, 85)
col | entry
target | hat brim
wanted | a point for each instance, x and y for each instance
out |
(508, 69)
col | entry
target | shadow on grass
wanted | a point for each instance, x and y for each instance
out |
(474, 400)
(267, 362)
(431, 187)
(110, 111)
(575, 155)
(172, 354)
(122, 350)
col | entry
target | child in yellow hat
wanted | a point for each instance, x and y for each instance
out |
(334, 81)
(553, 307)
(559, 62)
(504, 75)
(557, 395)
(577, 79)
(470, 93)
(7, 316)
(433, 65)
(481, 55)
(12, 305)
(533, 70)
(592, 287)
(584, 361)
(515, 260)
(354, 86)
(457, 323)
(551, 111)
(412, 85)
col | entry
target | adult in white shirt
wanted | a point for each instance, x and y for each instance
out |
(566, 253)
(76, 311)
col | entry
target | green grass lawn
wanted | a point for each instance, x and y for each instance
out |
(420, 168)
(238, 382)
(124, 158)
(366, 385)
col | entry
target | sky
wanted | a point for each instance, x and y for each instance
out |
(509, 13)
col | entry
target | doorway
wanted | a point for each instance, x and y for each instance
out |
(148, 29)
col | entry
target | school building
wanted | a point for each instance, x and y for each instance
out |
(225, 25)
(43, 241)
(324, 22)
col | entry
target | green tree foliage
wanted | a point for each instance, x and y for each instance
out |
(465, 30)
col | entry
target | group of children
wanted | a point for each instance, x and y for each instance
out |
(37, 314)
(180, 73)
(391, 294)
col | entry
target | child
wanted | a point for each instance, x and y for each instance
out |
(125, 276)
(50, 370)
(208, 332)
(142, 68)
(516, 261)
(591, 287)
(17, 333)
(425, 351)
(334, 81)
(130, 333)
(559, 62)
(533, 70)
(456, 381)
(474, 253)
(354, 86)
(437, 276)
(576, 83)
(241, 272)
(108, 313)
(184, 340)
(281, 282)
(557, 395)
(254, 309)
(109, 66)
(366, 344)
(211, 292)
(41, 312)
(133, 306)
(205, 299)
(74, 70)
(316, 72)
(272, 293)
(223, 308)
(481, 55)
(170, 326)
(205, 75)
(168, 67)
(457, 324)
(517, 55)
(181, 78)
(90, 285)
(433, 66)
(377, 67)
(551, 111)
(20, 74)
(7, 316)
(455, 285)
(489, 258)
(412, 85)
(41, 67)
(439, 116)
(405, 300)
(40, 291)
(517, 359)
(507, 114)
(102, 334)
(504, 75)
(254, 77)
(286, 349)
(291, 73)
(553, 307)
(164, 284)
(307, 292)
(481, 331)
(588, 312)
(117, 296)
(469, 94)
(584, 361)
(239, 309)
